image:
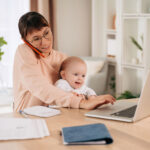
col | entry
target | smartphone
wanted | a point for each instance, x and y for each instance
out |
(33, 48)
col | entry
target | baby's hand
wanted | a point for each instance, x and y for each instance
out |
(74, 93)
(82, 96)
(79, 95)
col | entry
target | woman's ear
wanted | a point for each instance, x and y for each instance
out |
(62, 74)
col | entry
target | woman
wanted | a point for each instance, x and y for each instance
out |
(36, 70)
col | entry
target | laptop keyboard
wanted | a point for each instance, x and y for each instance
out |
(129, 112)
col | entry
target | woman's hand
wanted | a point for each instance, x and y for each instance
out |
(97, 101)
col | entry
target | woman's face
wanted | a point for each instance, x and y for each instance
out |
(41, 39)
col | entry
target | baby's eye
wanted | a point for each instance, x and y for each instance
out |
(83, 76)
(76, 74)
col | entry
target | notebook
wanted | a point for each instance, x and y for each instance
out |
(86, 134)
(41, 111)
(124, 110)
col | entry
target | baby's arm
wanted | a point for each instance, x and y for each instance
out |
(90, 93)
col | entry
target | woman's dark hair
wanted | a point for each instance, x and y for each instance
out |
(31, 21)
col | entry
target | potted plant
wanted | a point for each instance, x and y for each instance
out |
(2, 42)
(127, 95)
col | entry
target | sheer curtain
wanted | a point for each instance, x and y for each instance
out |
(10, 12)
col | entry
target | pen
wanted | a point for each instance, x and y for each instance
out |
(23, 113)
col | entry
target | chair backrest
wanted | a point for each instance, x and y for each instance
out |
(98, 79)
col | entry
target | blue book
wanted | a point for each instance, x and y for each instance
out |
(86, 134)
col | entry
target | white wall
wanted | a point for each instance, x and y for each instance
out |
(73, 22)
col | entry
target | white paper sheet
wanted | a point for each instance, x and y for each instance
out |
(20, 128)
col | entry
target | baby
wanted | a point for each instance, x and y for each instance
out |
(72, 74)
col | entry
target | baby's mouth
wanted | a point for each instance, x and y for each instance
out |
(77, 83)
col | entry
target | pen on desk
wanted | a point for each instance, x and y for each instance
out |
(23, 113)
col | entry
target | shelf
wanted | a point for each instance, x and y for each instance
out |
(136, 15)
(133, 66)
(136, 29)
(111, 32)
(111, 60)
(136, 6)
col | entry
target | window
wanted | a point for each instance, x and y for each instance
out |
(10, 11)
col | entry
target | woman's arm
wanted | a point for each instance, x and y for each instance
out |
(96, 101)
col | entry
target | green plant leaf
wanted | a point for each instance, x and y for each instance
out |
(142, 38)
(0, 57)
(113, 78)
(2, 42)
(127, 95)
(1, 53)
(136, 43)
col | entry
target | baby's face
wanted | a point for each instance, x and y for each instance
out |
(75, 75)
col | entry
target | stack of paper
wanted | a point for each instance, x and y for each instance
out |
(41, 111)
(20, 128)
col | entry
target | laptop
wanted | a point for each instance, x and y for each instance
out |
(124, 110)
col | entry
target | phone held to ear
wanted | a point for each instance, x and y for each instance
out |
(33, 48)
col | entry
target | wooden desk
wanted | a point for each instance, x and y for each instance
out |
(127, 136)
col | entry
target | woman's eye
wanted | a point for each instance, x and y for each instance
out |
(46, 33)
(36, 39)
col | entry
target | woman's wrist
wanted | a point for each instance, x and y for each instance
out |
(85, 104)
(82, 104)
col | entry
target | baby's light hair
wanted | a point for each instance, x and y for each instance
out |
(68, 61)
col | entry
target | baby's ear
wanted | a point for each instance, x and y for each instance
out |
(62, 74)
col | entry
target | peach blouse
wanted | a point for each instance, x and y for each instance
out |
(34, 78)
